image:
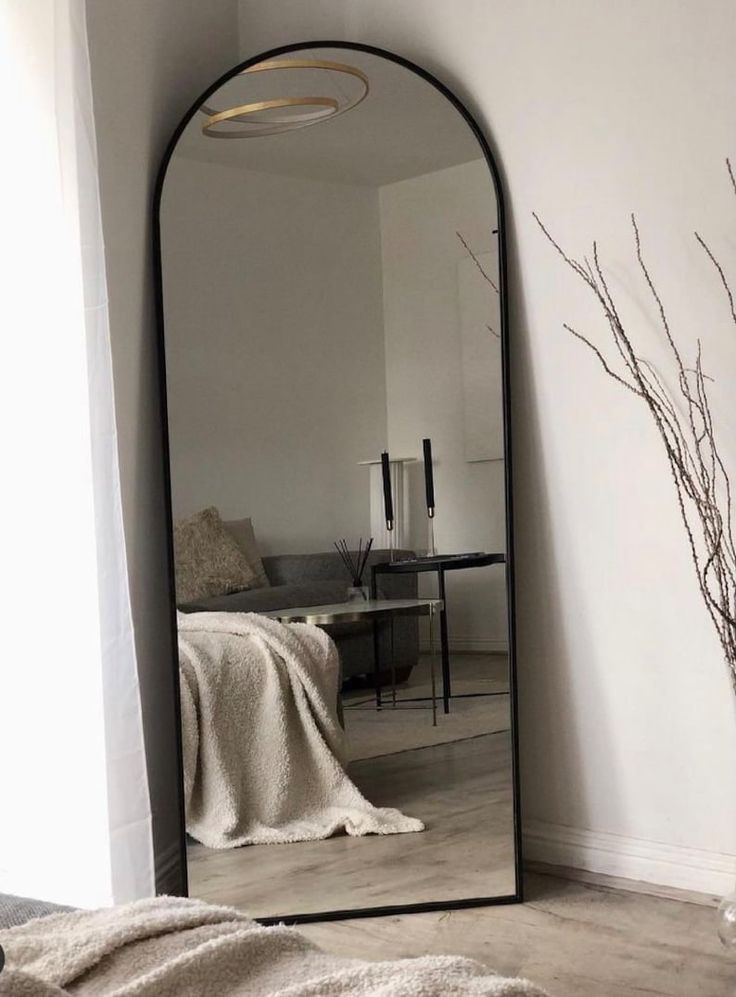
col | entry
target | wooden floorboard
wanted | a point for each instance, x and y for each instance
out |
(575, 939)
(587, 936)
(461, 790)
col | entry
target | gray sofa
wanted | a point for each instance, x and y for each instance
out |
(319, 579)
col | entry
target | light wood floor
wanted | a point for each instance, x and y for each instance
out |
(574, 939)
(461, 790)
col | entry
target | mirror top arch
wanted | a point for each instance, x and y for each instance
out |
(343, 149)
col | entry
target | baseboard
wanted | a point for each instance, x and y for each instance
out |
(599, 879)
(630, 858)
(476, 645)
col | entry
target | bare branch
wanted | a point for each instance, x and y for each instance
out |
(684, 420)
(604, 362)
(721, 274)
(477, 262)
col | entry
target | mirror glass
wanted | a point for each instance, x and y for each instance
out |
(333, 351)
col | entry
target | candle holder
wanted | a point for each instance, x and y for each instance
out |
(390, 532)
(429, 494)
(431, 549)
(388, 502)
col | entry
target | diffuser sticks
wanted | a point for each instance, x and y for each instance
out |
(354, 561)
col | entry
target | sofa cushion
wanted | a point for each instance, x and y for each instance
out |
(287, 568)
(306, 593)
(241, 530)
(207, 560)
(18, 910)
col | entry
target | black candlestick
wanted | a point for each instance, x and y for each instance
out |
(428, 476)
(388, 502)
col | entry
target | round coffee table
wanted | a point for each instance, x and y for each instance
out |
(375, 611)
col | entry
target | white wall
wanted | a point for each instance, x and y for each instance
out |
(275, 358)
(627, 720)
(149, 62)
(420, 250)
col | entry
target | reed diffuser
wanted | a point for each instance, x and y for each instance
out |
(355, 562)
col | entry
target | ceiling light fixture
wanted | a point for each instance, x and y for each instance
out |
(251, 115)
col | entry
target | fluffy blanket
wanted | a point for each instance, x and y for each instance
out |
(263, 747)
(171, 947)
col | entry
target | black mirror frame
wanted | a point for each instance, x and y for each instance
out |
(517, 896)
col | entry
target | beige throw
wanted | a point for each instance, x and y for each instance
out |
(172, 947)
(263, 748)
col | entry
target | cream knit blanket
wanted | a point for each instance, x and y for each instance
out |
(171, 947)
(263, 748)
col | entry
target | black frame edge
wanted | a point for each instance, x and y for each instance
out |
(493, 168)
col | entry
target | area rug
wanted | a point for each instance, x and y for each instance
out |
(372, 733)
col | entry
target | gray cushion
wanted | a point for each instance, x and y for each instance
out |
(18, 910)
(242, 532)
(207, 560)
(288, 568)
(306, 593)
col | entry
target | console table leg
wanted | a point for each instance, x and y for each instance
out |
(444, 640)
(377, 663)
(431, 666)
(393, 665)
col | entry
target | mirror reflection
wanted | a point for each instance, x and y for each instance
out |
(336, 429)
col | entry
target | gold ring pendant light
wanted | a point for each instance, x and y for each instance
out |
(328, 107)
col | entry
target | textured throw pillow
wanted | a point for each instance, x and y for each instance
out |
(242, 532)
(207, 560)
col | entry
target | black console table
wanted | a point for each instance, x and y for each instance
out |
(440, 564)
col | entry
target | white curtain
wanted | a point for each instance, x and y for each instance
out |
(75, 820)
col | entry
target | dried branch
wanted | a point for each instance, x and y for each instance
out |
(684, 420)
(484, 275)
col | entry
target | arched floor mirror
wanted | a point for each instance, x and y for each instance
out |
(329, 235)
